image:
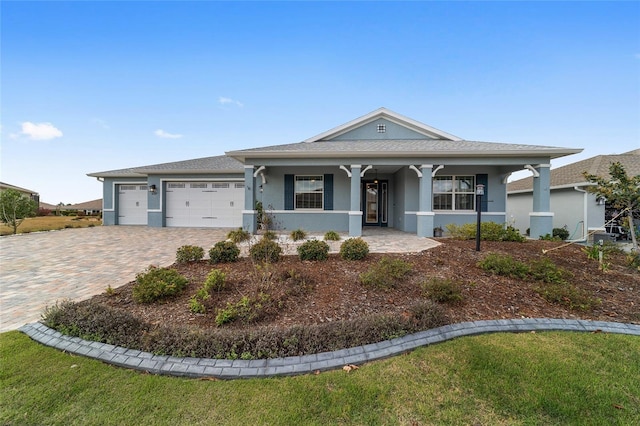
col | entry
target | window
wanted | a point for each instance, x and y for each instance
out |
(454, 193)
(382, 128)
(309, 192)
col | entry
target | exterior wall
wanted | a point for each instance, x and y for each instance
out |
(110, 197)
(519, 206)
(370, 132)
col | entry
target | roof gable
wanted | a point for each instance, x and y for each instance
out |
(365, 127)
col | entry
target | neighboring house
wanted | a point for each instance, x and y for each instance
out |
(580, 212)
(382, 169)
(93, 207)
(31, 194)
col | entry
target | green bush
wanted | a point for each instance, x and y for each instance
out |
(265, 250)
(238, 235)
(331, 236)
(188, 253)
(224, 251)
(157, 283)
(560, 233)
(385, 273)
(270, 235)
(499, 264)
(215, 281)
(196, 306)
(633, 260)
(547, 271)
(354, 249)
(568, 295)
(246, 310)
(442, 290)
(298, 235)
(489, 231)
(313, 250)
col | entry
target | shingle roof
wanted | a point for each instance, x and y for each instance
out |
(17, 188)
(571, 174)
(217, 164)
(399, 148)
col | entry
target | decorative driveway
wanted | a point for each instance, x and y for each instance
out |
(38, 269)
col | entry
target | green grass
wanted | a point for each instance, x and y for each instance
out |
(529, 379)
(51, 223)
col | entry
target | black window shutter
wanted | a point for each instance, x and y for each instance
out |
(289, 194)
(328, 192)
(483, 179)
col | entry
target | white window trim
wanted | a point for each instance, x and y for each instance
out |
(295, 193)
(454, 192)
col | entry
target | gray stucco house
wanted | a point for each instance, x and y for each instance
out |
(575, 209)
(381, 169)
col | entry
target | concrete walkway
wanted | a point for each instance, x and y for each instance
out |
(236, 369)
(38, 269)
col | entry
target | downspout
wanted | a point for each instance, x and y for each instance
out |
(584, 214)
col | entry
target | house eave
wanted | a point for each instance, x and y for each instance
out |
(148, 172)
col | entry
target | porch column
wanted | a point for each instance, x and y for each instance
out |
(249, 214)
(541, 218)
(355, 214)
(425, 214)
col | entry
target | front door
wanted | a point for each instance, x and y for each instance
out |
(375, 196)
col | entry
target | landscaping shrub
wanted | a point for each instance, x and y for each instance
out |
(246, 310)
(568, 295)
(196, 305)
(157, 283)
(238, 235)
(385, 273)
(298, 235)
(94, 321)
(442, 290)
(547, 271)
(331, 236)
(560, 233)
(313, 250)
(224, 251)
(633, 260)
(188, 253)
(354, 249)
(215, 281)
(500, 264)
(489, 231)
(265, 250)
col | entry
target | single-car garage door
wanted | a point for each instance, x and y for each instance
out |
(205, 204)
(132, 204)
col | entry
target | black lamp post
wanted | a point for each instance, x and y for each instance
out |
(479, 194)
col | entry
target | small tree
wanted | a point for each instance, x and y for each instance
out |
(15, 207)
(621, 191)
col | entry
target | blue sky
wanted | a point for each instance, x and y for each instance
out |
(95, 86)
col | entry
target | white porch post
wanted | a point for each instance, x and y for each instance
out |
(355, 214)
(249, 214)
(425, 214)
(541, 218)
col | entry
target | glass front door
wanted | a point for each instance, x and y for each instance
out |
(374, 203)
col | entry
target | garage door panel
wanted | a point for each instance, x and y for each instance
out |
(132, 204)
(204, 204)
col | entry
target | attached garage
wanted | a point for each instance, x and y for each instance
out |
(132, 204)
(204, 204)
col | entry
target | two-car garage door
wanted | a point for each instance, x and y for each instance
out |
(204, 204)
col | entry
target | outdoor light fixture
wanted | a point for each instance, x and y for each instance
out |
(153, 189)
(376, 178)
(479, 194)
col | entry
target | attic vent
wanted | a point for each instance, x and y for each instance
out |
(382, 128)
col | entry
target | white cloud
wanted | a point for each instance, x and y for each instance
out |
(166, 135)
(228, 101)
(39, 131)
(100, 123)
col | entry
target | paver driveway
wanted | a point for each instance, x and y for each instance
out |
(38, 269)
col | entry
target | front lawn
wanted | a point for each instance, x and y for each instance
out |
(533, 378)
(51, 223)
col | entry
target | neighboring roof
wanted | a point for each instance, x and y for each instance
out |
(572, 174)
(87, 205)
(430, 132)
(17, 188)
(206, 165)
(400, 148)
(47, 206)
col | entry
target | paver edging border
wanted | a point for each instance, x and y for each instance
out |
(296, 365)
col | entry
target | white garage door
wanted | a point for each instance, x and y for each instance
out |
(132, 204)
(205, 204)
